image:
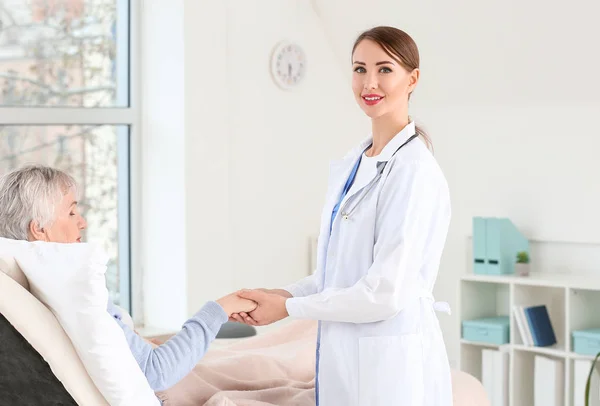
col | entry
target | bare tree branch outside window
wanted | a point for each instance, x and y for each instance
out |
(62, 53)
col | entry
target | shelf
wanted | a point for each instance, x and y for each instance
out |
(577, 382)
(524, 370)
(555, 351)
(561, 280)
(471, 358)
(584, 309)
(568, 285)
(553, 298)
(484, 299)
(557, 257)
(481, 344)
(522, 380)
(574, 355)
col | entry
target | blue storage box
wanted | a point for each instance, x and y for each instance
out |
(493, 330)
(586, 342)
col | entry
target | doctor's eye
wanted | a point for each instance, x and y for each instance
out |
(385, 69)
(359, 69)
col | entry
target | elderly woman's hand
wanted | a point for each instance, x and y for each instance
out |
(233, 303)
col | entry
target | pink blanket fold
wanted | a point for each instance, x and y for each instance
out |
(274, 368)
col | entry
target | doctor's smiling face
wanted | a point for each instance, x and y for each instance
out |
(385, 72)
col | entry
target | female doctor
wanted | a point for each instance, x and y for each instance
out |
(383, 230)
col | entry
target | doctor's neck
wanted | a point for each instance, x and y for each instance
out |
(384, 128)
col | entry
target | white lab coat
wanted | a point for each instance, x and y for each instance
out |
(380, 340)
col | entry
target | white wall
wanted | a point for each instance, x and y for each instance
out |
(257, 156)
(207, 152)
(511, 99)
(161, 145)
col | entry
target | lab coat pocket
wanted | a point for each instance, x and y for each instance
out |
(391, 371)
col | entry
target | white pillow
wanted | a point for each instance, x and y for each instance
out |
(69, 279)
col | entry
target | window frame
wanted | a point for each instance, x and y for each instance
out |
(129, 159)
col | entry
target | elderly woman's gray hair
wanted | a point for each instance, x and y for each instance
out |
(28, 194)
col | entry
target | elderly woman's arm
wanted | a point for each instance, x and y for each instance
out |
(167, 364)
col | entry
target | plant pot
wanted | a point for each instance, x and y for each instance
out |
(522, 269)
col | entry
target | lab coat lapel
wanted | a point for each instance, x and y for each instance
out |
(383, 157)
(339, 171)
(358, 186)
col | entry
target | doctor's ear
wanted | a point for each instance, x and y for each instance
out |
(413, 79)
(36, 233)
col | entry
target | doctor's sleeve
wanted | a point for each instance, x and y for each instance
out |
(413, 218)
(304, 287)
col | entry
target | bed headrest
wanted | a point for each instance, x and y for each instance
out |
(42, 330)
(9, 266)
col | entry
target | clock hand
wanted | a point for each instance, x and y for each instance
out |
(289, 69)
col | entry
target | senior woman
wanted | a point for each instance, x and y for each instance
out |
(38, 203)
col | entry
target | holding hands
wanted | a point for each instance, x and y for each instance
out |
(233, 304)
(270, 306)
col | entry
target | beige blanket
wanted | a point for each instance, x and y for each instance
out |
(274, 368)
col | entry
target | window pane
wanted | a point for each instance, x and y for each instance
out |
(91, 154)
(70, 53)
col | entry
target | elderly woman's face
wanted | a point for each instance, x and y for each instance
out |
(67, 225)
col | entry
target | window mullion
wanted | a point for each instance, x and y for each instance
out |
(41, 116)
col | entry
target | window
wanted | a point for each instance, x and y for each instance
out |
(65, 102)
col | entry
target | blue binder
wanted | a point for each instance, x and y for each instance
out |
(540, 326)
(479, 248)
(496, 242)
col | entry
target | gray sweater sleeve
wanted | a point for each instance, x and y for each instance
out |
(167, 364)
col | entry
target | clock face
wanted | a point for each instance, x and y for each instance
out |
(288, 65)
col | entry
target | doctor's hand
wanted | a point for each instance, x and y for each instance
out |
(233, 303)
(243, 317)
(271, 307)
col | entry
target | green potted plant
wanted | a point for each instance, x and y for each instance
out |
(587, 384)
(522, 265)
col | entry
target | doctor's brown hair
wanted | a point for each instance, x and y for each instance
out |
(402, 48)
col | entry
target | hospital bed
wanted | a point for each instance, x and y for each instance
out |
(36, 324)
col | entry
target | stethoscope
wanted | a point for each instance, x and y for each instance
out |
(380, 168)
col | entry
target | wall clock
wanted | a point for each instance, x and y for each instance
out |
(288, 64)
